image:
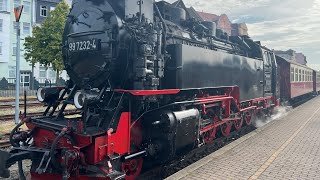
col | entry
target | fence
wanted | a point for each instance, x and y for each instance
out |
(12, 93)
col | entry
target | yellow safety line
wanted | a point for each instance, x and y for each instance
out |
(267, 163)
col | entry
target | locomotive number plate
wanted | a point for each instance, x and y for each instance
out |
(88, 45)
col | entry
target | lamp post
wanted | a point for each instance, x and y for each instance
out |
(17, 13)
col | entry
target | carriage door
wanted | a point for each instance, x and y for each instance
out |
(267, 74)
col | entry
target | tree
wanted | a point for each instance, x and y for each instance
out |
(44, 46)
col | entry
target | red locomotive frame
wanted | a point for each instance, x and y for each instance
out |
(92, 151)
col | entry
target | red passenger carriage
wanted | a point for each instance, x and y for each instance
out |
(296, 80)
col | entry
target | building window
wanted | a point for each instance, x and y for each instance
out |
(26, 6)
(292, 74)
(16, 3)
(26, 28)
(43, 11)
(52, 73)
(52, 8)
(43, 72)
(3, 5)
(12, 72)
(303, 75)
(1, 24)
(14, 49)
(0, 48)
(296, 79)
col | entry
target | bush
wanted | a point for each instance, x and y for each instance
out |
(4, 84)
(61, 82)
(36, 84)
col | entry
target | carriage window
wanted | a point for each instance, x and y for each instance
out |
(300, 77)
(296, 79)
(306, 76)
(309, 76)
(292, 74)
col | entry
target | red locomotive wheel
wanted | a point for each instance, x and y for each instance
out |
(209, 136)
(226, 128)
(132, 168)
(238, 124)
(247, 118)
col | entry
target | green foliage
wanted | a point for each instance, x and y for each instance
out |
(44, 46)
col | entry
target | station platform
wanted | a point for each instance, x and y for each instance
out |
(287, 148)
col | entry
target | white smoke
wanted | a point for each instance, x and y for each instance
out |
(279, 112)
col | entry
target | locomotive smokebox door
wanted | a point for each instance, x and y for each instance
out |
(132, 7)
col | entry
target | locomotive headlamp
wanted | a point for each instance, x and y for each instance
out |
(49, 94)
(81, 96)
(40, 94)
(79, 99)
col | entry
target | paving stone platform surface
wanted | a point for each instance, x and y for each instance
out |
(287, 148)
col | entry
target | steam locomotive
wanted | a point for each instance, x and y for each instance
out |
(150, 84)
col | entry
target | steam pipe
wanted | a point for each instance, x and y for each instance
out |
(140, 10)
(54, 146)
(132, 156)
(165, 28)
(15, 129)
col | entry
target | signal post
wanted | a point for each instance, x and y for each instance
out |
(17, 13)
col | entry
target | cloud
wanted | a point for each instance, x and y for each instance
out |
(278, 24)
(297, 31)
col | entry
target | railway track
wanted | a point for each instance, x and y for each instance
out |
(21, 99)
(4, 141)
(11, 116)
(4, 144)
(29, 104)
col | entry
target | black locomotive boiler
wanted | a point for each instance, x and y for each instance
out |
(150, 83)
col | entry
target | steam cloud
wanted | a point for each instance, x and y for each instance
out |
(279, 112)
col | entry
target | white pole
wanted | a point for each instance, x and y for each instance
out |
(17, 75)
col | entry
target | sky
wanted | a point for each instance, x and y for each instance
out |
(278, 24)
